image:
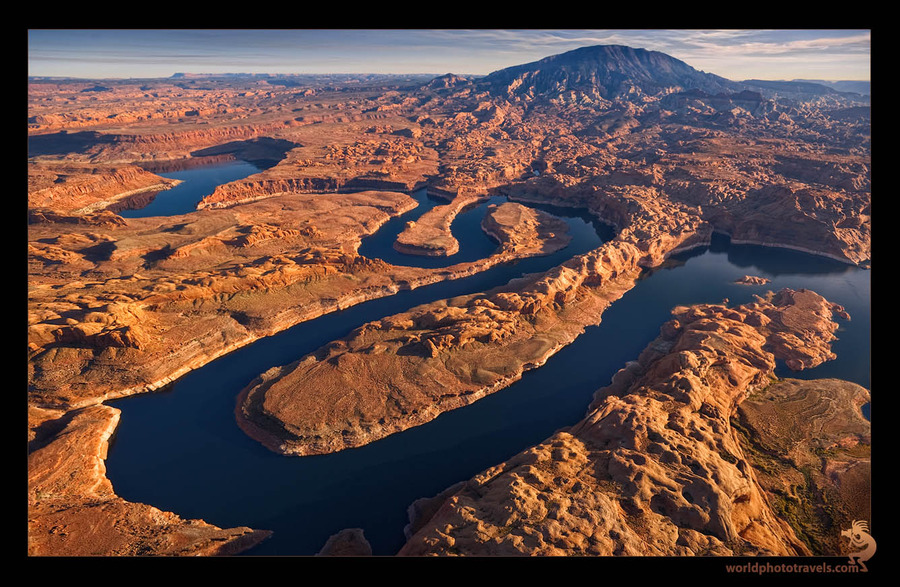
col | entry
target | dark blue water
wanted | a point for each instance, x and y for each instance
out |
(474, 243)
(197, 183)
(181, 451)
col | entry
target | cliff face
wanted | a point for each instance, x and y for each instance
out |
(73, 510)
(83, 189)
(655, 467)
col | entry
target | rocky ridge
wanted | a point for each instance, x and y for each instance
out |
(82, 189)
(655, 467)
(430, 235)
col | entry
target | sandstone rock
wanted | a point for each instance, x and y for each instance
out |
(655, 467)
(406, 369)
(519, 228)
(348, 542)
(82, 189)
(752, 280)
(810, 447)
(430, 235)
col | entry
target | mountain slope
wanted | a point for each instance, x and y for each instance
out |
(603, 72)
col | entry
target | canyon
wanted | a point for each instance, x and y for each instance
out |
(673, 458)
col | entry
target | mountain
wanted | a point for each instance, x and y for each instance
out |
(856, 86)
(603, 72)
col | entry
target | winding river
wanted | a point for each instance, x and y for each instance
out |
(180, 450)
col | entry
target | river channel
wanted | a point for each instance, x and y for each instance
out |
(180, 449)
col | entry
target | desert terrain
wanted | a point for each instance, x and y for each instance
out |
(681, 454)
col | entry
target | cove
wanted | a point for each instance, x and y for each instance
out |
(197, 183)
(181, 450)
(474, 243)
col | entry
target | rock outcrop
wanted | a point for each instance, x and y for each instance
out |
(810, 447)
(752, 280)
(519, 228)
(430, 235)
(82, 189)
(655, 467)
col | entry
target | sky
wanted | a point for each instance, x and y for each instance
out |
(736, 54)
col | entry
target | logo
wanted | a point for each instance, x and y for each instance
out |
(861, 542)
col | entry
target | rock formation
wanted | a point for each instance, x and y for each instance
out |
(752, 280)
(430, 235)
(655, 467)
(82, 189)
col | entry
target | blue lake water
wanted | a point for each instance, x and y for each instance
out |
(181, 450)
(474, 243)
(197, 183)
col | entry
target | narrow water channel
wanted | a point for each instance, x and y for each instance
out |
(181, 450)
(196, 184)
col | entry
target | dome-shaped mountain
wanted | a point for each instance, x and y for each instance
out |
(603, 71)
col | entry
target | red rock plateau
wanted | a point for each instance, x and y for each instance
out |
(122, 306)
(656, 466)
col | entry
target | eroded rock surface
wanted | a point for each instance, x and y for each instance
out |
(752, 280)
(655, 467)
(407, 369)
(82, 189)
(167, 296)
(519, 228)
(810, 448)
(430, 235)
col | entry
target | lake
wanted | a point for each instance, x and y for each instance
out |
(197, 183)
(180, 449)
